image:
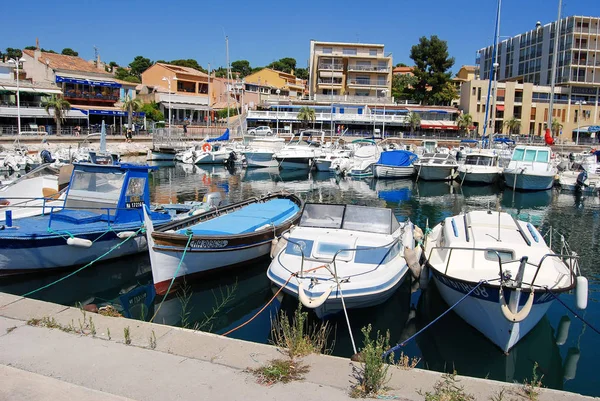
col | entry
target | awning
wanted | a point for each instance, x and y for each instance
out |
(81, 81)
(330, 74)
(105, 111)
(37, 112)
(445, 125)
(500, 107)
(587, 130)
(27, 89)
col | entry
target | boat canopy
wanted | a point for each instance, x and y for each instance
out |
(399, 158)
(224, 137)
(349, 217)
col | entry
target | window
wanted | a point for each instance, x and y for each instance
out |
(349, 52)
(529, 155)
(542, 156)
(327, 50)
(495, 253)
(518, 155)
(372, 52)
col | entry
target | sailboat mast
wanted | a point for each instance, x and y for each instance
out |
(495, 66)
(489, 92)
(228, 81)
(554, 62)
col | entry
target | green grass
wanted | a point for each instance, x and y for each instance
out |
(280, 370)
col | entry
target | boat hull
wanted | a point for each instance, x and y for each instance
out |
(212, 158)
(472, 177)
(482, 310)
(435, 173)
(383, 171)
(323, 165)
(260, 159)
(158, 155)
(528, 182)
(295, 163)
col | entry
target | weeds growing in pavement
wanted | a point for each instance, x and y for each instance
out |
(531, 388)
(10, 329)
(153, 340)
(108, 333)
(373, 375)
(406, 362)
(448, 389)
(127, 335)
(280, 370)
(299, 337)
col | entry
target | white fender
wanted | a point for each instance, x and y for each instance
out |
(418, 234)
(312, 302)
(517, 316)
(277, 245)
(412, 261)
(79, 242)
(562, 333)
(581, 292)
(126, 234)
(570, 365)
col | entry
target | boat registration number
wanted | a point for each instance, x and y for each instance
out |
(133, 205)
(208, 243)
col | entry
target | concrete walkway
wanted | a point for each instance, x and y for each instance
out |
(39, 363)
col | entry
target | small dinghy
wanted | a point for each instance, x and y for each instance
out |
(225, 237)
(101, 209)
(344, 253)
(505, 269)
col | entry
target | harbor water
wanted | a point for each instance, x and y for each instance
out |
(565, 351)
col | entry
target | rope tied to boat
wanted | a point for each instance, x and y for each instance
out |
(572, 311)
(141, 230)
(402, 344)
(189, 234)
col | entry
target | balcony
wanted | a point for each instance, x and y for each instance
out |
(366, 82)
(354, 99)
(331, 67)
(91, 96)
(329, 82)
(326, 117)
(368, 68)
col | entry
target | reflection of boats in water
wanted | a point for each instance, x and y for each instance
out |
(451, 344)
(527, 206)
(393, 191)
(434, 189)
(250, 289)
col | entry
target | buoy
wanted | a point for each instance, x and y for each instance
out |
(571, 361)
(424, 279)
(207, 147)
(312, 302)
(413, 263)
(79, 242)
(581, 292)
(126, 234)
(562, 332)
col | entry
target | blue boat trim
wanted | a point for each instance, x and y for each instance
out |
(532, 232)
(454, 228)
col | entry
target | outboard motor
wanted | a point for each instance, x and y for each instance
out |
(231, 159)
(46, 156)
(582, 179)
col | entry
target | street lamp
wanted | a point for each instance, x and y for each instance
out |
(385, 91)
(168, 80)
(16, 63)
(278, 91)
(579, 103)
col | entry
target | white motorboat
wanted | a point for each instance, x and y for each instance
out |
(299, 153)
(323, 162)
(261, 146)
(427, 146)
(530, 169)
(395, 164)
(436, 167)
(480, 168)
(583, 174)
(505, 269)
(366, 153)
(205, 154)
(15, 160)
(343, 251)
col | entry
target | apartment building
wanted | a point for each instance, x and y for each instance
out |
(574, 107)
(350, 72)
(527, 57)
(285, 82)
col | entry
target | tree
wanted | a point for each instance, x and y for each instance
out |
(414, 120)
(47, 51)
(152, 111)
(556, 127)
(125, 75)
(139, 65)
(59, 108)
(306, 115)
(513, 125)
(446, 95)
(432, 63)
(465, 122)
(131, 106)
(12, 53)
(401, 65)
(190, 63)
(67, 51)
(286, 64)
(30, 48)
(242, 67)
(220, 72)
(402, 86)
(302, 73)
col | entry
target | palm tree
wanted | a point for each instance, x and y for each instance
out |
(465, 122)
(306, 115)
(556, 127)
(513, 124)
(131, 105)
(414, 120)
(59, 107)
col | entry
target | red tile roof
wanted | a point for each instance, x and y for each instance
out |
(69, 63)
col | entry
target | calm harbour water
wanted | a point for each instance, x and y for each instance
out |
(448, 345)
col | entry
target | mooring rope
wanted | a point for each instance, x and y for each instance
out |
(573, 312)
(190, 234)
(140, 230)
(402, 344)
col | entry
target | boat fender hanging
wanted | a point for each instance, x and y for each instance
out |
(312, 302)
(562, 333)
(581, 292)
(418, 234)
(571, 360)
(126, 234)
(519, 316)
(79, 242)
(277, 245)
(412, 261)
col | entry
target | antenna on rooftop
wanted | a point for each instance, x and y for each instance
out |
(96, 55)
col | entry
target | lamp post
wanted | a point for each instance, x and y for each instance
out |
(16, 63)
(168, 80)
(384, 95)
(208, 90)
(579, 103)
(278, 91)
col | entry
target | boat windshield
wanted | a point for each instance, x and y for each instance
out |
(479, 160)
(95, 189)
(349, 217)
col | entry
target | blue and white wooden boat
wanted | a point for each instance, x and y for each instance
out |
(102, 208)
(395, 164)
(507, 270)
(226, 237)
(359, 253)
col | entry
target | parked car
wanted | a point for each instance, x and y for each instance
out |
(263, 130)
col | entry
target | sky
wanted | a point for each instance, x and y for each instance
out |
(264, 31)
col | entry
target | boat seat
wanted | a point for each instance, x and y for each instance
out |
(247, 219)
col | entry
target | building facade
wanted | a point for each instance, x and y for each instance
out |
(527, 57)
(288, 85)
(529, 103)
(350, 72)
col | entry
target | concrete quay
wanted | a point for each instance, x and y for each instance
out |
(38, 363)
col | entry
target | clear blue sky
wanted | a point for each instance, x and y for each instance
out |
(265, 31)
